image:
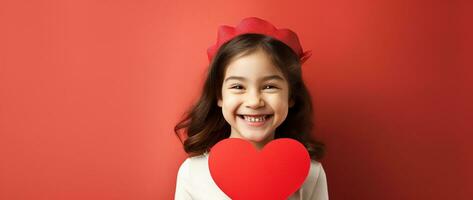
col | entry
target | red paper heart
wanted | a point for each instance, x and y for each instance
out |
(243, 172)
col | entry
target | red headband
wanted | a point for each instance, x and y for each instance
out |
(257, 25)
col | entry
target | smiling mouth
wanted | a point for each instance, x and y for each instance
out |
(255, 118)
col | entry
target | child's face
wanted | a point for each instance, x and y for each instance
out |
(247, 91)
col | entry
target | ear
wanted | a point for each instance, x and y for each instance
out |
(291, 103)
(219, 103)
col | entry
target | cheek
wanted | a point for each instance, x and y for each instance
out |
(280, 105)
(278, 101)
(230, 103)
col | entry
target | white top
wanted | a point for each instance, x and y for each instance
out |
(194, 182)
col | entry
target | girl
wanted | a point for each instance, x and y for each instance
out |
(254, 91)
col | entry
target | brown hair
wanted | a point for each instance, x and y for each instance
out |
(204, 122)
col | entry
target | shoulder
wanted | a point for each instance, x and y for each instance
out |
(190, 171)
(194, 168)
(192, 165)
(192, 161)
(194, 176)
(316, 169)
(315, 185)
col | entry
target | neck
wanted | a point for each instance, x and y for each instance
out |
(257, 144)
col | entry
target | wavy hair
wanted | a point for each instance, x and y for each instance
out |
(203, 125)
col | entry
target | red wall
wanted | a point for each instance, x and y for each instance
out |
(90, 92)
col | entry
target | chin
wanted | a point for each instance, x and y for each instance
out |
(256, 138)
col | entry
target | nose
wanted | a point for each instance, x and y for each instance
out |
(254, 100)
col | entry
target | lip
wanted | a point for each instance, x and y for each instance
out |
(256, 124)
(253, 115)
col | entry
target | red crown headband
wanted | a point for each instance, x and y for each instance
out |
(257, 25)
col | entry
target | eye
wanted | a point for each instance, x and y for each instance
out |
(238, 87)
(270, 87)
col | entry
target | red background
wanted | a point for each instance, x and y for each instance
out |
(90, 92)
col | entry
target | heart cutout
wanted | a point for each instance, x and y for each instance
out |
(243, 172)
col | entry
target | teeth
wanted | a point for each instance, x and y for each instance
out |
(255, 119)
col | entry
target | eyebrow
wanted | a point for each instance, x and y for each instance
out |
(277, 77)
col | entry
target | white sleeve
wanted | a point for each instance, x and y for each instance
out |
(320, 189)
(182, 182)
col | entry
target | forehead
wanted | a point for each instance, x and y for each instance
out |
(255, 65)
